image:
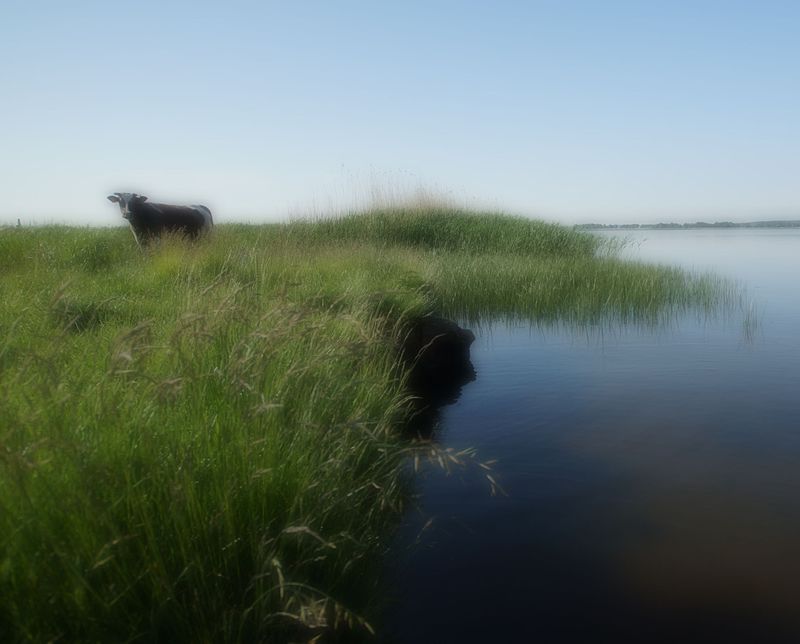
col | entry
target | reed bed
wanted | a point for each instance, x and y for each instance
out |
(201, 442)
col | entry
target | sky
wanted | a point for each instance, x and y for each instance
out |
(595, 111)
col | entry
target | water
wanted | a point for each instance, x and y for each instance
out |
(652, 478)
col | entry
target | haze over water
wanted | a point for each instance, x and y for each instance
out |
(652, 477)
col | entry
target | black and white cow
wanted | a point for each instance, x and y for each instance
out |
(149, 220)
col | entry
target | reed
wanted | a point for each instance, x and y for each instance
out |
(200, 442)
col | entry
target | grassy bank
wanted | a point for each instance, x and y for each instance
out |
(201, 442)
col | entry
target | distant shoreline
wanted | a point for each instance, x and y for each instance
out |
(794, 223)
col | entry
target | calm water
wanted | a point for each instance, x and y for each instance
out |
(652, 478)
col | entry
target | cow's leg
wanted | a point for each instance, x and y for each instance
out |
(136, 237)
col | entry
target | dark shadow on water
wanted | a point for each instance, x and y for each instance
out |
(594, 454)
(651, 469)
(438, 352)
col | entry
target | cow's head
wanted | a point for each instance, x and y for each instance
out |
(126, 201)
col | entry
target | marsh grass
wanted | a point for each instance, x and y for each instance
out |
(200, 443)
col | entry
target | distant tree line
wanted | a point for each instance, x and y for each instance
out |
(698, 224)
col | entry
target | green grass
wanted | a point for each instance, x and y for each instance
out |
(201, 443)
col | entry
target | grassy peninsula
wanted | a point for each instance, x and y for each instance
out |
(202, 442)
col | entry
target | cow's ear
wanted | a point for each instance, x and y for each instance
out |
(113, 198)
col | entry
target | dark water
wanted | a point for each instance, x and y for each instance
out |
(652, 477)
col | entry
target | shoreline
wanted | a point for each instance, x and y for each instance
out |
(229, 413)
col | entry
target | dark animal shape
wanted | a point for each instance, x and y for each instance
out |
(150, 220)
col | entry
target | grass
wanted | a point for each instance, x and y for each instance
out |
(200, 443)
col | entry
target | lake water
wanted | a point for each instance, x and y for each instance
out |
(652, 478)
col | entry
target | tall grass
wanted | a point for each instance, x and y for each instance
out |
(199, 443)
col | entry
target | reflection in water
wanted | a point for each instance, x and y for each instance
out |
(652, 478)
(438, 352)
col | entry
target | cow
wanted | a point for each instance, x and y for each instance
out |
(149, 220)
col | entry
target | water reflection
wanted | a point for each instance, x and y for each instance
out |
(652, 478)
(438, 354)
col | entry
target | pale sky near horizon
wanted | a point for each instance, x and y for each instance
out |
(570, 111)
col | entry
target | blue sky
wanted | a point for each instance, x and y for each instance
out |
(570, 111)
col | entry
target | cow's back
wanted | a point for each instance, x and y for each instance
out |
(178, 217)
